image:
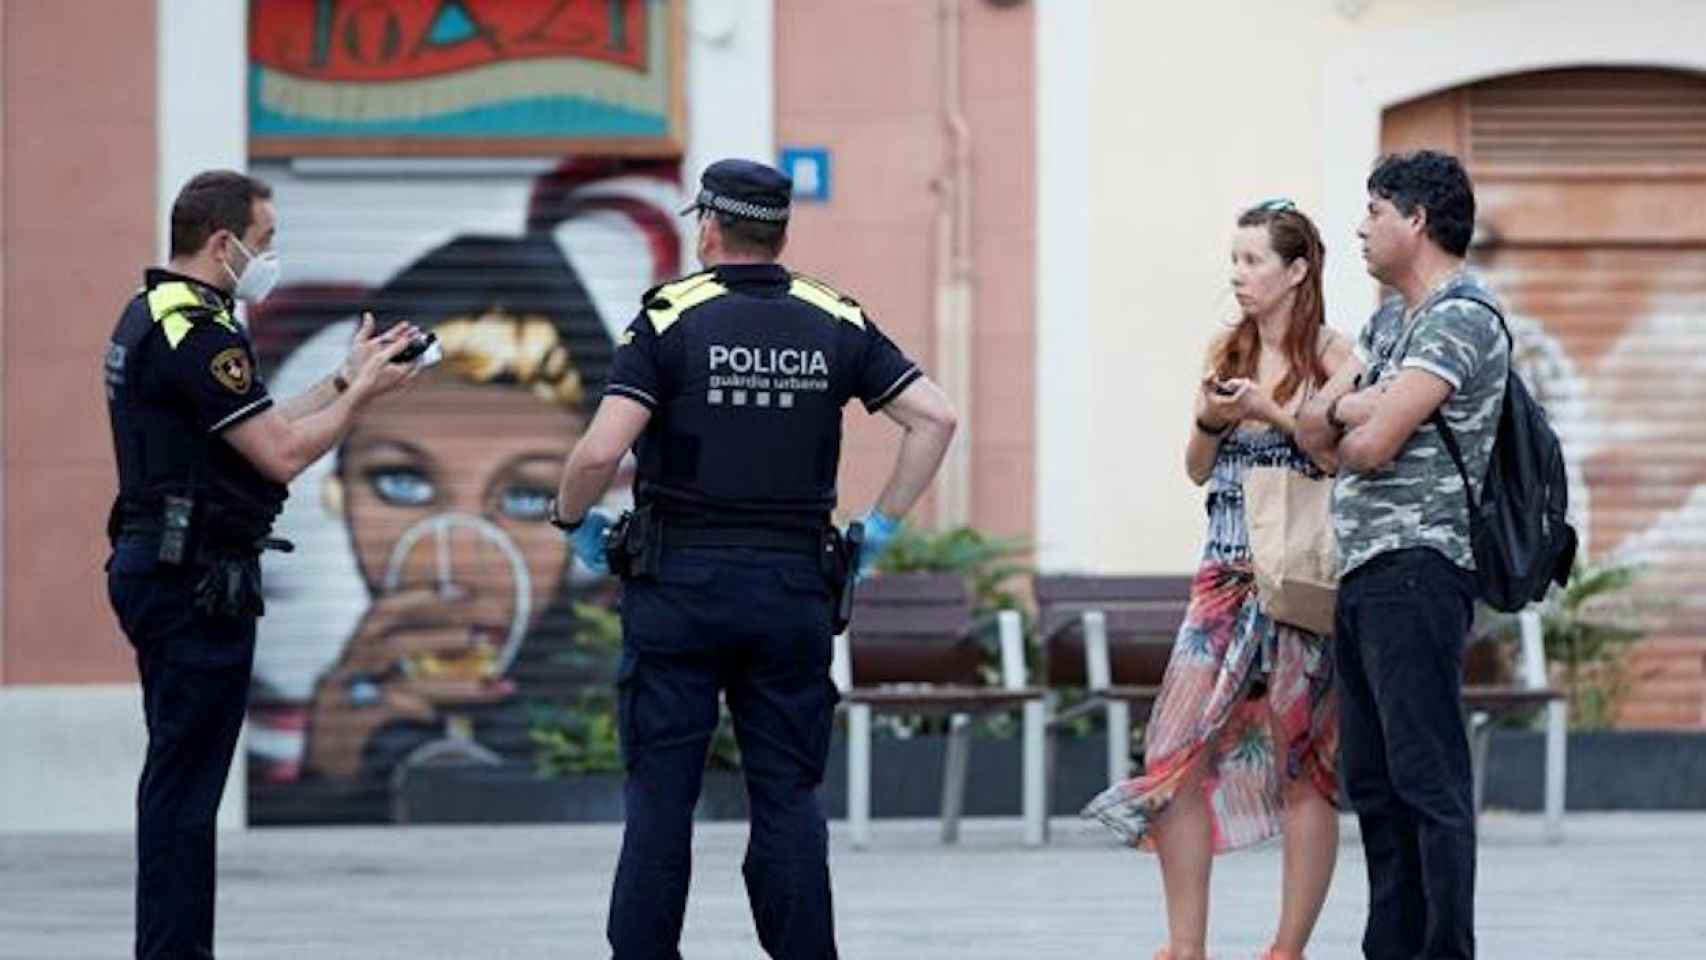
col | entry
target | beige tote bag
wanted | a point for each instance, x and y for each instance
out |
(1292, 547)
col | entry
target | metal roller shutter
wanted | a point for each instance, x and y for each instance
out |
(1593, 228)
(430, 613)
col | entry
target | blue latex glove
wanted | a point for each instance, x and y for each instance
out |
(588, 541)
(880, 531)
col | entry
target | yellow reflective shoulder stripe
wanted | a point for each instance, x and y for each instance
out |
(169, 298)
(176, 327)
(672, 300)
(827, 300)
(168, 304)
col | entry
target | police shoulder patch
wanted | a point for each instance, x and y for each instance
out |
(231, 368)
(666, 303)
(827, 298)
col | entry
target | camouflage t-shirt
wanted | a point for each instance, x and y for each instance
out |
(1417, 500)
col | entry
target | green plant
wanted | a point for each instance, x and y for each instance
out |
(1588, 627)
(986, 562)
(575, 740)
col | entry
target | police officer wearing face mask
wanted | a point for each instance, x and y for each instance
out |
(204, 456)
(729, 385)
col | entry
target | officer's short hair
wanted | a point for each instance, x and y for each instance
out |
(751, 237)
(213, 201)
(1437, 183)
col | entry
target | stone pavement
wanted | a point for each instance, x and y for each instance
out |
(1620, 886)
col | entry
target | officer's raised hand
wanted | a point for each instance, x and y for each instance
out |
(378, 375)
(281, 441)
(366, 343)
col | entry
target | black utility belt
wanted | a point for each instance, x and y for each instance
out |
(208, 552)
(759, 538)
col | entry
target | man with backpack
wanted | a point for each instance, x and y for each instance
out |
(1435, 353)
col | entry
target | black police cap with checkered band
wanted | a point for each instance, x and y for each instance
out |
(743, 188)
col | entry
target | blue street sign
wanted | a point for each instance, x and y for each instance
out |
(809, 167)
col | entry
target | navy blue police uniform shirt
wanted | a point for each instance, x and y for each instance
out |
(745, 369)
(179, 373)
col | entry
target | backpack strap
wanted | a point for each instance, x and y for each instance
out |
(1438, 418)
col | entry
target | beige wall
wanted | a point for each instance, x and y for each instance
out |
(79, 161)
(872, 94)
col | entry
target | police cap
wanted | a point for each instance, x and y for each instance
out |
(745, 189)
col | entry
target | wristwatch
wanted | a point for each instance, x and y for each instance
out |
(567, 526)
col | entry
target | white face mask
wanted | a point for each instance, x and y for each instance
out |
(259, 275)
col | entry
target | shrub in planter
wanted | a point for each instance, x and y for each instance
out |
(1588, 627)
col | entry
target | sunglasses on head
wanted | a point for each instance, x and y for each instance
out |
(1276, 205)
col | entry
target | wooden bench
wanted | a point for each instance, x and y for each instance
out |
(1109, 637)
(911, 650)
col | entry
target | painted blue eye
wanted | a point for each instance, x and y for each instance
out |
(402, 486)
(525, 503)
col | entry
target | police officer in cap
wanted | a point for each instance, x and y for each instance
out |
(204, 455)
(729, 387)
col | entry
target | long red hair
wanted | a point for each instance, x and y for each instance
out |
(1292, 236)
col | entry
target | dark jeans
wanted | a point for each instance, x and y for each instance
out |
(195, 690)
(1403, 618)
(755, 625)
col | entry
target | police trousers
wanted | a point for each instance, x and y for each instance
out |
(1403, 619)
(195, 687)
(755, 626)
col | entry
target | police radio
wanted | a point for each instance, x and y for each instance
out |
(177, 517)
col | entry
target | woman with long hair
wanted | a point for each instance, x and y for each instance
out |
(1240, 745)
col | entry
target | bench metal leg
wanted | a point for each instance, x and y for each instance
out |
(954, 776)
(1557, 720)
(1480, 735)
(1119, 741)
(1051, 753)
(859, 773)
(1035, 788)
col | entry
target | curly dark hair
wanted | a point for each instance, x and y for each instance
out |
(1437, 183)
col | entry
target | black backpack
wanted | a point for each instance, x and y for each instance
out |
(1518, 530)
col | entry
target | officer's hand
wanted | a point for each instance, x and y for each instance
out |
(415, 653)
(366, 343)
(880, 531)
(588, 541)
(379, 376)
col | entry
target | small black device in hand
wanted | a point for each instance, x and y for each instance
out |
(416, 347)
(1224, 389)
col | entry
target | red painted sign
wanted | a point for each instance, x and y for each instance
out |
(387, 40)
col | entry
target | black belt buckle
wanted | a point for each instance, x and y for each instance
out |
(177, 517)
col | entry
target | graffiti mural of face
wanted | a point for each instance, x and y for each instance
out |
(430, 455)
(431, 606)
